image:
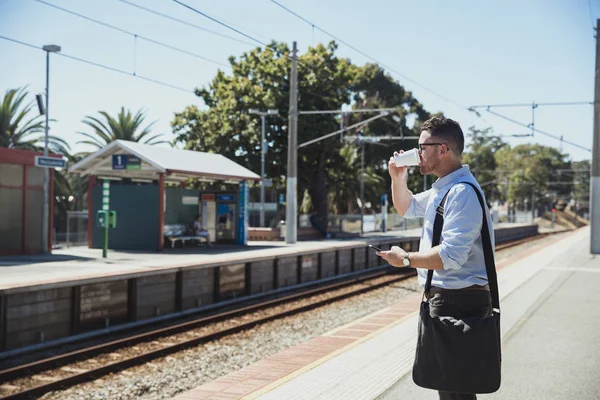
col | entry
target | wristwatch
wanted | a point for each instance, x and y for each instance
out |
(406, 260)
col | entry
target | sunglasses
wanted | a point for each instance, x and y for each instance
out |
(421, 145)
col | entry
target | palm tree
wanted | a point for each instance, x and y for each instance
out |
(125, 127)
(19, 132)
(346, 181)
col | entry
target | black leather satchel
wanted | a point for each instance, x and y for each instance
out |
(460, 355)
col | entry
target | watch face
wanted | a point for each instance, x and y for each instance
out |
(406, 262)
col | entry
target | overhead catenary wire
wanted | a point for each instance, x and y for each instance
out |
(537, 130)
(419, 84)
(301, 63)
(135, 35)
(219, 22)
(149, 10)
(370, 57)
(245, 35)
(568, 103)
(62, 54)
(592, 17)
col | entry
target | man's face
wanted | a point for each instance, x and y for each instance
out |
(429, 149)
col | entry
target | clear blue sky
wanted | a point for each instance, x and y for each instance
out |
(473, 52)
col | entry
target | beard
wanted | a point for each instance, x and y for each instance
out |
(427, 167)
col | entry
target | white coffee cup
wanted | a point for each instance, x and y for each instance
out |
(410, 157)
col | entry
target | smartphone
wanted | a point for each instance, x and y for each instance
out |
(375, 248)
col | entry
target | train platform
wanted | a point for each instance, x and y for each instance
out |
(82, 263)
(549, 322)
(77, 263)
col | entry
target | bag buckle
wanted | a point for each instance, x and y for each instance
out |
(440, 210)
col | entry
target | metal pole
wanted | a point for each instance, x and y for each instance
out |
(262, 172)
(46, 203)
(362, 187)
(506, 199)
(595, 176)
(68, 230)
(292, 166)
(105, 240)
(532, 203)
(342, 127)
(105, 209)
(533, 106)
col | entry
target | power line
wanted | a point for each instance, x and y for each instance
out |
(19, 42)
(360, 110)
(250, 37)
(537, 130)
(368, 56)
(61, 54)
(219, 22)
(570, 103)
(301, 63)
(135, 35)
(592, 16)
(186, 23)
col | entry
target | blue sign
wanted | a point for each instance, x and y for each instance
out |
(126, 161)
(242, 236)
(50, 162)
(225, 197)
(119, 161)
(281, 198)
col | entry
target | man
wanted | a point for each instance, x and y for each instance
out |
(459, 285)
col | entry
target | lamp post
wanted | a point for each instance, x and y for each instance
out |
(46, 207)
(263, 149)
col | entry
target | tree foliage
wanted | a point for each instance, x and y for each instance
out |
(20, 131)
(482, 148)
(534, 168)
(126, 126)
(259, 79)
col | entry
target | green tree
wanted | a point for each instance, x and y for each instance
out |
(126, 126)
(374, 88)
(345, 182)
(19, 131)
(482, 161)
(534, 168)
(581, 185)
(259, 79)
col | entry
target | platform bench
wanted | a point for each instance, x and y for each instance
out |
(179, 232)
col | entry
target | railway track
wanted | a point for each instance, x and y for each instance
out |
(37, 378)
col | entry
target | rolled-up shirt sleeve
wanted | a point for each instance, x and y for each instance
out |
(418, 205)
(462, 225)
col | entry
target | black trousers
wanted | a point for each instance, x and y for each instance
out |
(460, 304)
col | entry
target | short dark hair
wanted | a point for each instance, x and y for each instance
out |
(447, 130)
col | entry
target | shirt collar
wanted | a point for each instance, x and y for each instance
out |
(450, 178)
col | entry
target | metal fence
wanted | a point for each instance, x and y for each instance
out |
(350, 223)
(76, 230)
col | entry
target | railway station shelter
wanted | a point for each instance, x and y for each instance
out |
(147, 194)
(21, 201)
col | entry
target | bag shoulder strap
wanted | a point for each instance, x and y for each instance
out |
(438, 224)
(488, 252)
